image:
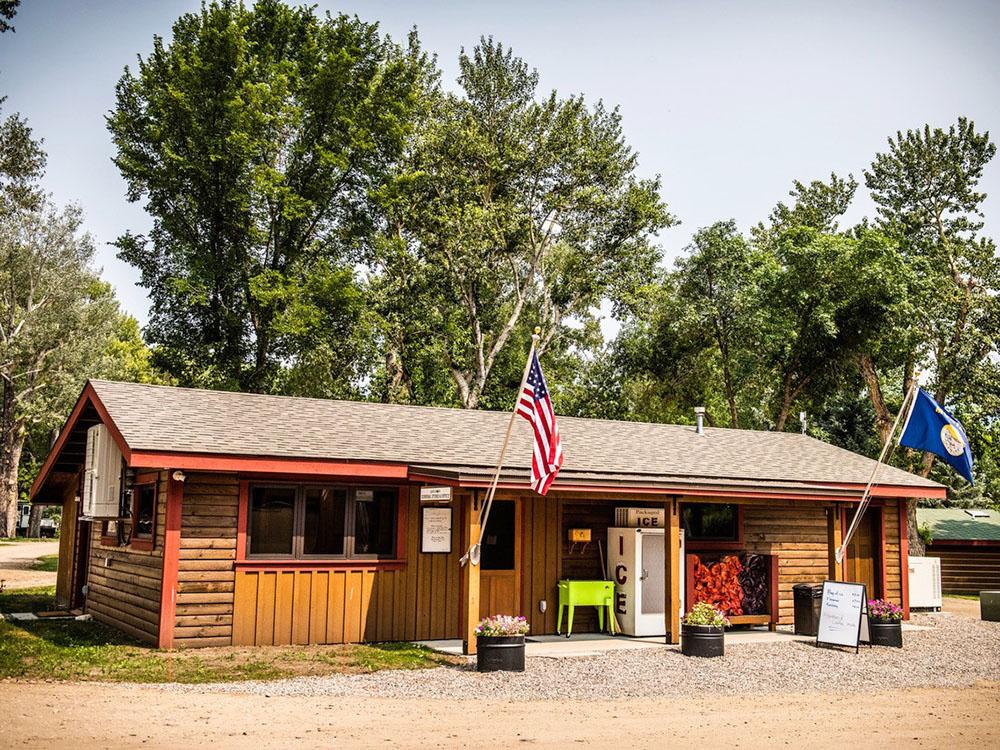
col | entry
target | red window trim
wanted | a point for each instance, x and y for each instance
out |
(106, 539)
(144, 543)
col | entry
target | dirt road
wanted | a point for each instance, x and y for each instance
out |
(17, 559)
(85, 716)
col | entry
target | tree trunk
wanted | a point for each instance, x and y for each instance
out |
(35, 522)
(11, 444)
(786, 403)
(883, 419)
(917, 548)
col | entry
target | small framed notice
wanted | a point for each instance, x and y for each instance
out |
(435, 494)
(435, 530)
(843, 615)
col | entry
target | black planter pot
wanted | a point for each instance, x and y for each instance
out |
(702, 640)
(887, 633)
(500, 653)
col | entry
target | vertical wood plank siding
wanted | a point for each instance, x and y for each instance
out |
(205, 576)
(541, 555)
(67, 547)
(363, 602)
(123, 584)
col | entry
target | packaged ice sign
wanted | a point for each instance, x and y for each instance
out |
(843, 615)
(640, 518)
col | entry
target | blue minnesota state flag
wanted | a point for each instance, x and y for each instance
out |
(929, 427)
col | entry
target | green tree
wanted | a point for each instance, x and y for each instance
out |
(8, 9)
(829, 300)
(22, 163)
(925, 187)
(55, 320)
(720, 280)
(818, 205)
(256, 137)
(512, 211)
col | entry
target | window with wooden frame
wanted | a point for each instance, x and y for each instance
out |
(321, 522)
(143, 516)
(709, 526)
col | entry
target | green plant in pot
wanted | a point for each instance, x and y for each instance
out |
(885, 621)
(703, 631)
(500, 644)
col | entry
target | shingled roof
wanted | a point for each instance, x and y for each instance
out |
(456, 443)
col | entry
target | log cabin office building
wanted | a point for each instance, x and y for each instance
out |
(254, 519)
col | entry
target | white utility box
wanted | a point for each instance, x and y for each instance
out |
(102, 480)
(636, 564)
(925, 582)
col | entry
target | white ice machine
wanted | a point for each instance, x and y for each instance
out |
(635, 563)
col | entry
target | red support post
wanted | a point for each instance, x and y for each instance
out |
(171, 558)
(904, 558)
(773, 590)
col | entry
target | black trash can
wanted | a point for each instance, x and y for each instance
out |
(808, 597)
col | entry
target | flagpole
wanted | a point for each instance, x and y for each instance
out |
(866, 495)
(472, 555)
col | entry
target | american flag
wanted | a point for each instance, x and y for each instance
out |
(536, 406)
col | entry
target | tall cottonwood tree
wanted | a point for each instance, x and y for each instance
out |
(255, 136)
(719, 279)
(56, 320)
(925, 187)
(513, 210)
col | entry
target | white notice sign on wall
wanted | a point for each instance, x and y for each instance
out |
(435, 529)
(843, 614)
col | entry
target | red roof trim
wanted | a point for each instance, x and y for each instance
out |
(87, 396)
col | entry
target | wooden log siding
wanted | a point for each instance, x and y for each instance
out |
(892, 558)
(359, 601)
(123, 584)
(206, 579)
(969, 569)
(797, 533)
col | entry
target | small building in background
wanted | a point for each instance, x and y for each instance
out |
(968, 542)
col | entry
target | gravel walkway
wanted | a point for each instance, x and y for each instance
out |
(954, 652)
(17, 560)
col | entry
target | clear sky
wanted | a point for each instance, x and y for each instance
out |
(728, 101)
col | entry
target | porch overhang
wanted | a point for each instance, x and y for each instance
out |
(477, 477)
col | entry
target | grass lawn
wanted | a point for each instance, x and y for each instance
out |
(48, 563)
(72, 650)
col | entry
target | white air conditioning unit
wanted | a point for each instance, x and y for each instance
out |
(925, 582)
(102, 478)
(636, 565)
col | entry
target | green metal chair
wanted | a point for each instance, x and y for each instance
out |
(598, 594)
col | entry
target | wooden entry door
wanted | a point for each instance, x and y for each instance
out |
(864, 562)
(500, 561)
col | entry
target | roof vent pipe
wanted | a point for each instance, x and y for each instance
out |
(803, 421)
(699, 415)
